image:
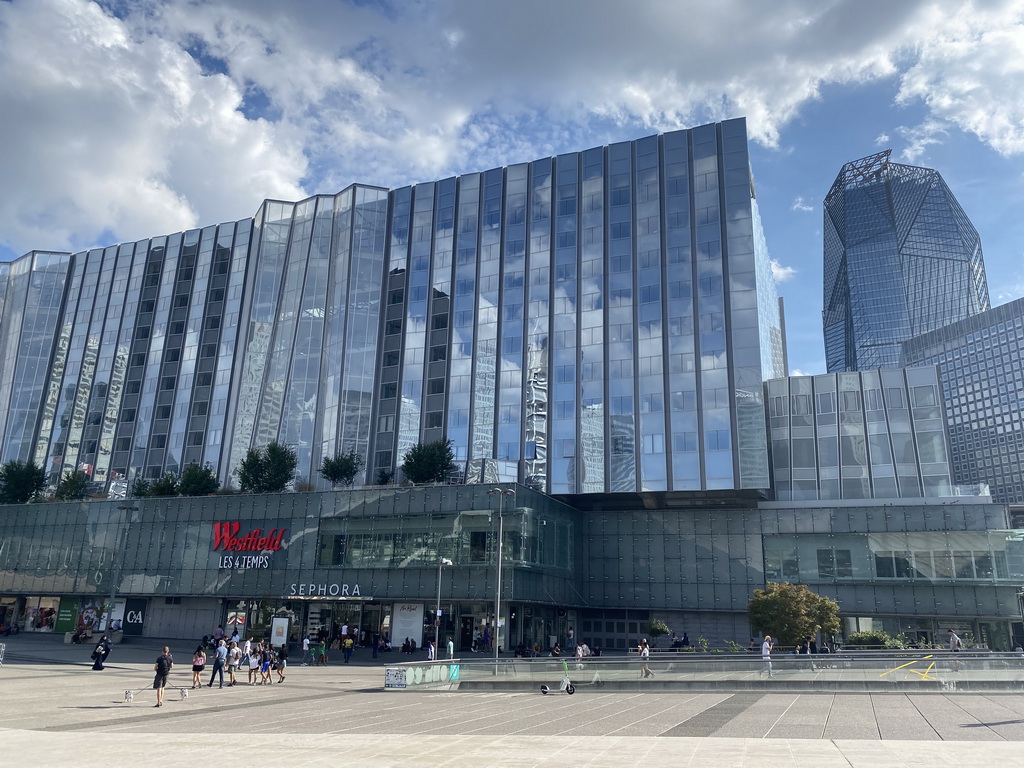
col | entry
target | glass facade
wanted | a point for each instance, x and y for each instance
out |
(859, 435)
(981, 369)
(901, 259)
(604, 566)
(599, 321)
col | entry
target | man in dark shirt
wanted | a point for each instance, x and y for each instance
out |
(163, 666)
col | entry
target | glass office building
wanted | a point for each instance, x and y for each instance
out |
(901, 258)
(981, 368)
(592, 322)
(859, 435)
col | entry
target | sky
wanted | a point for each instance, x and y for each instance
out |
(126, 119)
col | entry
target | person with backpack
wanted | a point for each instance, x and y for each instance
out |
(163, 666)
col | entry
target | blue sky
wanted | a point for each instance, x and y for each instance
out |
(127, 119)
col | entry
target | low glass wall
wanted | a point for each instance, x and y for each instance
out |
(839, 671)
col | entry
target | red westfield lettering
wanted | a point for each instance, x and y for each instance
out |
(226, 538)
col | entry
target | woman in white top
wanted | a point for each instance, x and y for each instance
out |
(645, 655)
(766, 656)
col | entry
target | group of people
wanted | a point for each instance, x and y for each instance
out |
(258, 657)
(314, 652)
(481, 642)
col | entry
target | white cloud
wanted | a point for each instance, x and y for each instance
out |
(882, 139)
(969, 70)
(800, 205)
(919, 137)
(119, 131)
(798, 372)
(109, 132)
(781, 273)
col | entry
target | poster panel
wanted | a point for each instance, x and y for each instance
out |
(407, 621)
(279, 630)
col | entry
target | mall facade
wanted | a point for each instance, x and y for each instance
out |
(604, 565)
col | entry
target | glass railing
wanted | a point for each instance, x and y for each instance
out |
(866, 670)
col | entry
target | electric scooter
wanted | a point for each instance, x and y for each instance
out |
(566, 686)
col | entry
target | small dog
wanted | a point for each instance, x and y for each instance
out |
(129, 697)
(184, 693)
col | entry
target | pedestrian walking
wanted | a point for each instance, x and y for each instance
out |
(645, 655)
(220, 659)
(198, 664)
(100, 653)
(234, 659)
(347, 648)
(254, 664)
(265, 659)
(431, 650)
(766, 656)
(163, 666)
(282, 662)
(955, 646)
(305, 651)
(451, 649)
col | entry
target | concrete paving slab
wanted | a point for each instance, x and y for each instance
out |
(82, 719)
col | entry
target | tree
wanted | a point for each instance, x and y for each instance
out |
(250, 471)
(657, 628)
(20, 481)
(165, 485)
(279, 467)
(73, 486)
(141, 488)
(341, 468)
(267, 470)
(197, 480)
(384, 476)
(791, 612)
(429, 462)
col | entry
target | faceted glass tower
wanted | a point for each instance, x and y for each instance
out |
(901, 259)
(592, 322)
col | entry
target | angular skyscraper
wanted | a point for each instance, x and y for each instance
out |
(901, 259)
(592, 322)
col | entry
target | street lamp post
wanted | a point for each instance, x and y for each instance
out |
(441, 563)
(120, 541)
(501, 494)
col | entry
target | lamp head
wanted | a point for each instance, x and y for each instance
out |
(446, 561)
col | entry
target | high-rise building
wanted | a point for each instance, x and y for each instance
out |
(981, 368)
(597, 321)
(901, 259)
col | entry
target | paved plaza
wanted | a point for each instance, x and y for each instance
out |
(54, 710)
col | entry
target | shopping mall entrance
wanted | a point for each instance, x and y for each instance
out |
(254, 618)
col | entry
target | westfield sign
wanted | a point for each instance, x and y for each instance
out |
(226, 538)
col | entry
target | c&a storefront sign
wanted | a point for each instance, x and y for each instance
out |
(250, 549)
